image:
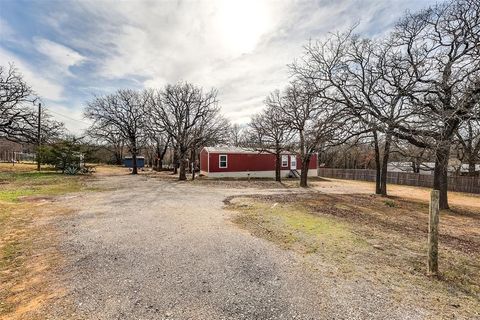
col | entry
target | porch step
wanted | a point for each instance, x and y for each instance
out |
(294, 174)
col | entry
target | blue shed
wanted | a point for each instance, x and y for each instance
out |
(128, 162)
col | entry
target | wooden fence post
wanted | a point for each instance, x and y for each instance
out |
(432, 263)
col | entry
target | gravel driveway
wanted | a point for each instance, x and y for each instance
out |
(156, 249)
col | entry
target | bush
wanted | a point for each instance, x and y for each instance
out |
(65, 154)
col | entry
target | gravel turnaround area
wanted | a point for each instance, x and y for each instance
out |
(157, 249)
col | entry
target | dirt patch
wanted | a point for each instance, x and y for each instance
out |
(28, 260)
(225, 183)
(29, 257)
(104, 170)
(37, 199)
(241, 184)
(379, 239)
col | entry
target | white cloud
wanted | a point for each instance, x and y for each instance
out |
(61, 56)
(5, 30)
(71, 116)
(44, 87)
(170, 40)
(241, 47)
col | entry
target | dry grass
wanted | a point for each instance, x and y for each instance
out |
(27, 238)
(17, 167)
(379, 239)
(240, 183)
(338, 186)
(109, 170)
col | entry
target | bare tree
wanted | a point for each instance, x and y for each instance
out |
(313, 121)
(179, 109)
(210, 130)
(158, 139)
(269, 131)
(419, 87)
(16, 118)
(235, 133)
(357, 73)
(125, 112)
(161, 143)
(440, 48)
(468, 144)
(402, 150)
(110, 138)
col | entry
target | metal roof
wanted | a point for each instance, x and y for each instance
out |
(238, 150)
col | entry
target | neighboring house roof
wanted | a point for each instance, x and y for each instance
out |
(464, 167)
(238, 150)
(407, 165)
(429, 166)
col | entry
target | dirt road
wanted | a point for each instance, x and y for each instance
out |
(158, 249)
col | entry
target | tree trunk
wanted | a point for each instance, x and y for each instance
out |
(118, 153)
(386, 155)
(304, 158)
(175, 161)
(278, 163)
(160, 155)
(150, 160)
(416, 165)
(440, 173)
(182, 170)
(118, 158)
(304, 173)
(471, 165)
(134, 163)
(378, 189)
(192, 165)
(182, 163)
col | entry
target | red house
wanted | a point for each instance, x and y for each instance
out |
(238, 162)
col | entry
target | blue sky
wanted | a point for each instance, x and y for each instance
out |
(71, 50)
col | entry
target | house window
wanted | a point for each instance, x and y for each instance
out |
(284, 161)
(222, 161)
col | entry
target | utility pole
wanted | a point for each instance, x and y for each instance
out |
(39, 142)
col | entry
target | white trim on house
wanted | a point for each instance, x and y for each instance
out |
(220, 161)
(208, 160)
(293, 162)
(284, 161)
(255, 174)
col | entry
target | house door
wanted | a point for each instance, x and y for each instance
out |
(293, 162)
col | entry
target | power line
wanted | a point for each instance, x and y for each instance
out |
(58, 113)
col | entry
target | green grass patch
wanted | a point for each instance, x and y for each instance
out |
(294, 227)
(15, 185)
(10, 252)
(380, 240)
(390, 203)
(14, 195)
(29, 177)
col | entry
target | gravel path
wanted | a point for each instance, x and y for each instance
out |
(154, 249)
